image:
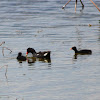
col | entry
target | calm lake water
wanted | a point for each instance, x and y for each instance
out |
(43, 25)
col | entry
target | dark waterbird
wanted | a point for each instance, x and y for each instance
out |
(20, 57)
(82, 52)
(33, 53)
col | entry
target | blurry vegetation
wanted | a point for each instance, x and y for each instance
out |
(4, 47)
(6, 70)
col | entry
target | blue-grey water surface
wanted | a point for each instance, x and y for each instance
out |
(43, 25)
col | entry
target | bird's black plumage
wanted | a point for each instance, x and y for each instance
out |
(83, 51)
(44, 54)
(20, 57)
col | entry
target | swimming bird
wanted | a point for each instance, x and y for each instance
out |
(32, 53)
(82, 52)
(20, 57)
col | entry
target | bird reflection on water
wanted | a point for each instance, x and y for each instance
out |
(32, 60)
(76, 55)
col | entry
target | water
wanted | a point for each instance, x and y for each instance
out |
(43, 25)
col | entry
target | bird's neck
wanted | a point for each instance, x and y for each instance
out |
(76, 50)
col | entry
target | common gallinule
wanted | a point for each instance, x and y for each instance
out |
(20, 57)
(83, 51)
(33, 53)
